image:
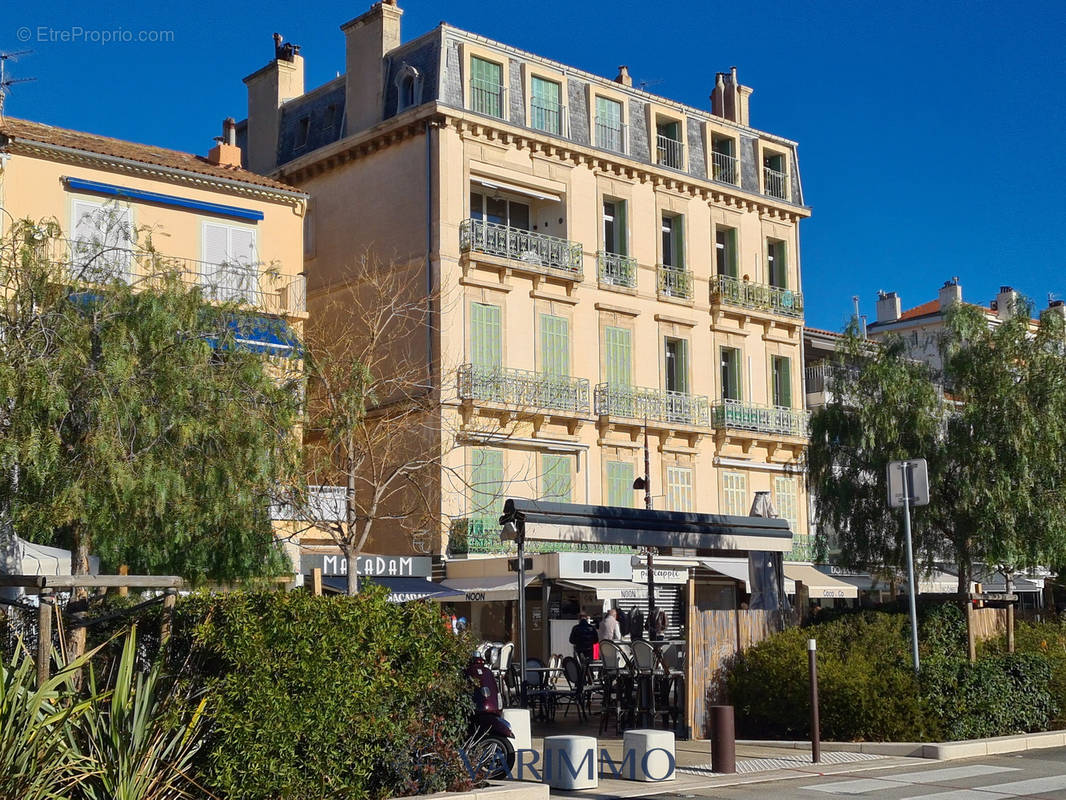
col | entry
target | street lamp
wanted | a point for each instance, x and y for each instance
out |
(645, 484)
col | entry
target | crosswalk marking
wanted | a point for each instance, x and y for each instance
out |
(923, 776)
(1001, 790)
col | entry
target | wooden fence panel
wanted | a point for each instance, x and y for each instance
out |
(988, 623)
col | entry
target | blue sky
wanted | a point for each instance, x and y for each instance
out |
(931, 133)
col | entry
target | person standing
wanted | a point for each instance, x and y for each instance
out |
(583, 637)
(609, 626)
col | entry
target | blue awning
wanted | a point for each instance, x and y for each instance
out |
(402, 590)
(268, 335)
(127, 193)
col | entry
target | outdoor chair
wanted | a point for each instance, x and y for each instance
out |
(617, 682)
(574, 693)
(536, 690)
(502, 668)
(647, 669)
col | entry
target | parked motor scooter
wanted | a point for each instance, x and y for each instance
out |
(491, 735)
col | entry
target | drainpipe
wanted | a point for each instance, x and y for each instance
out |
(429, 253)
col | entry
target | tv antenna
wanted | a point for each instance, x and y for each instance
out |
(643, 85)
(5, 82)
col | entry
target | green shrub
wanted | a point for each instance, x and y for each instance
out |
(1047, 639)
(315, 697)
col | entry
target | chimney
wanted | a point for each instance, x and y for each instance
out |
(280, 80)
(1006, 302)
(226, 153)
(730, 100)
(888, 307)
(368, 38)
(623, 77)
(1058, 307)
(950, 292)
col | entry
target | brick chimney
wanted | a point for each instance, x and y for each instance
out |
(623, 77)
(888, 307)
(950, 292)
(368, 38)
(1006, 302)
(280, 80)
(729, 99)
(226, 153)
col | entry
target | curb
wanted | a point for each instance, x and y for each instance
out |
(941, 751)
(494, 791)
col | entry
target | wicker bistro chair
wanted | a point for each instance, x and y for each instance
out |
(537, 691)
(648, 670)
(617, 686)
(575, 693)
(504, 676)
(670, 686)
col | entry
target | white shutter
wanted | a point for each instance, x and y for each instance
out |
(102, 235)
(216, 254)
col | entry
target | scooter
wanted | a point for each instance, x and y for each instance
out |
(490, 735)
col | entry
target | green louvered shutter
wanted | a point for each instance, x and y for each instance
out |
(555, 345)
(486, 85)
(486, 484)
(486, 339)
(545, 106)
(618, 356)
(782, 370)
(556, 478)
(619, 483)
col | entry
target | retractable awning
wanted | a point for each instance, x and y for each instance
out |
(488, 588)
(608, 590)
(536, 194)
(819, 585)
(401, 590)
(735, 568)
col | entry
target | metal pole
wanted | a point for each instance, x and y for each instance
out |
(816, 735)
(520, 540)
(910, 562)
(45, 604)
(647, 505)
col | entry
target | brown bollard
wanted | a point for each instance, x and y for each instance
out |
(723, 740)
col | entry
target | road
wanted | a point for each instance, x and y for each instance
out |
(1037, 773)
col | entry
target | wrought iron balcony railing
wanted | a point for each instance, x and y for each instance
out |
(723, 167)
(321, 503)
(804, 548)
(735, 292)
(487, 97)
(775, 183)
(610, 134)
(657, 405)
(228, 282)
(617, 270)
(538, 249)
(674, 282)
(670, 152)
(525, 389)
(547, 116)
(763, 419)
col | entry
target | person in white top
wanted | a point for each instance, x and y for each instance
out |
(609, 626)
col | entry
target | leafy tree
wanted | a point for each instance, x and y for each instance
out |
(135, 426)
(991, 423)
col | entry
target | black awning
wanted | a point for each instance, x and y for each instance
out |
(401, 590)
(569, 522)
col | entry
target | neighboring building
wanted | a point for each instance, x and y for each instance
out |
(235, 233)
(607, 255)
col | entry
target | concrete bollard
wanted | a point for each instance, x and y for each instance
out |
(723, 740)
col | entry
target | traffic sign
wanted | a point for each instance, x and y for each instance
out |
(919, 483)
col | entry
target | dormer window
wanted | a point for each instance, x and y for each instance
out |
(486, 87)
(775, 178)
(670, 151)
(545, 106)
(408, 88)
(724, 159)
(303, 132)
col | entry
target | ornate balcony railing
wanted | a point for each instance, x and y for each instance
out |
(250, 283)
(538, 249)
(775, 183)
(670, 152)
(481, 534)
(547, 116)
(657, 405)
(487, 97)
(674, 282)
(804, 548)
(723, 167)
(763, 419)
(525, 389)
(610, 134)
(321, 503)
(617, 270)
(747, 294)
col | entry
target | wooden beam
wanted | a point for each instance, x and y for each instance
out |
(94, 581)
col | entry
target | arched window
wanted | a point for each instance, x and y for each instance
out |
(408, 87)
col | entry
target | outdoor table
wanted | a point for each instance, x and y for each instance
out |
(542, 688)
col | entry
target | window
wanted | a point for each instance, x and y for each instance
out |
(408, 83)
(486, 337)
(620, 483)
(776, 263)
(545, 106)
(617, 346)
(781, 379)
(330, 117)
(673, 240)
(610, 132)
(669, 150)
(486, 483)
(499, 210)
(735, 494)
(731, 374)
(723, 159)
(614, 227)
(785, 500)
(102, 238)
(486, 87)
(231, 269)
(676, 357)
(555, 477)
(554, 345)
(725, 251)
(679, 488)
(774, 177)
(303, 131)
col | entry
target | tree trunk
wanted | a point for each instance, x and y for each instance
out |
(79, 565)
(353, 574)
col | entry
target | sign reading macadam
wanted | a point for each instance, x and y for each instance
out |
(381, 566)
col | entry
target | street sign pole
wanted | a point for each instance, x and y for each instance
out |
(912, 589)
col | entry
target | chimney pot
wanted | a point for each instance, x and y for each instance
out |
(950, 292)
(1006, 302)
(888, 307)
(623, 76)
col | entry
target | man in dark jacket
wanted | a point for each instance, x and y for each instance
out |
(583, 636)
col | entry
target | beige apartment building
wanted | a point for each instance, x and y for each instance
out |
(236, 234)
(606, 262)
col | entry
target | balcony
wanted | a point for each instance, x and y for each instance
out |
(735, 292)
(674, 282)
(536, 249)
(761, 419)
(610, 134)
(547, 116)
(775, 183)
(487, 98)
(655, 405)
(524, 389)
(724, 167)
(253, 284)
(321, 503)
(669, 152)
(617, 270)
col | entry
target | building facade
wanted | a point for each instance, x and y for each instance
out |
(606, 263)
